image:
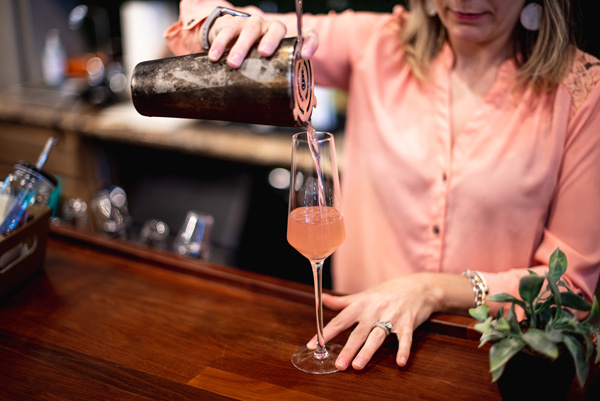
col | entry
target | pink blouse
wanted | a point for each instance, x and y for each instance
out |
(521, 179)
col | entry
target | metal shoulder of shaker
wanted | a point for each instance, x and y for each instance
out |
(217, 12)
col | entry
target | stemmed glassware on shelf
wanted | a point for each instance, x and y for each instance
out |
(315, 228)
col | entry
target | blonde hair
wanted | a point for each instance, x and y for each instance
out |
(544, 57)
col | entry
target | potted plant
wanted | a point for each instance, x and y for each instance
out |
(549, 341)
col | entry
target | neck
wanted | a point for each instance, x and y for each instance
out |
(473, 62)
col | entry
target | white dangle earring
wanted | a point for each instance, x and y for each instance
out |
(531, 16)
(430, 8)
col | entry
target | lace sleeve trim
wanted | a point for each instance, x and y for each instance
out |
(584, 76)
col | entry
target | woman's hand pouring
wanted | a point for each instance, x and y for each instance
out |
(242, 32)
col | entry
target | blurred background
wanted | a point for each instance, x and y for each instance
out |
(122, 29)
(64, 73)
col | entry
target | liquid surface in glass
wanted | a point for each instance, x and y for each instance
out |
(315, 231)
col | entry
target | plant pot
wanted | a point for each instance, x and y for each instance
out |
(532, 376)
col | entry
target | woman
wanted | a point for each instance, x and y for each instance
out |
(472, 151)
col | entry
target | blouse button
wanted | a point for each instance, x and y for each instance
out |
(436, 230)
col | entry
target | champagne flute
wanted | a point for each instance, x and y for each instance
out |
(315, 228)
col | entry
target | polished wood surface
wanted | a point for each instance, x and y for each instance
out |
(105, 320)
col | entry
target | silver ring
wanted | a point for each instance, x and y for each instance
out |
(385, 326)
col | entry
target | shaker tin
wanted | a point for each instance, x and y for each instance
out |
(276, 90)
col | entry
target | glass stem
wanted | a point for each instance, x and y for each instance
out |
(317, 267)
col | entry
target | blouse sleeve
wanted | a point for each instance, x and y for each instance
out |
(574, 213)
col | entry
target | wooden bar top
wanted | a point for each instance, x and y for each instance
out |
(105, 320)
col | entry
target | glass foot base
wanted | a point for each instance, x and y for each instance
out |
(305, 360)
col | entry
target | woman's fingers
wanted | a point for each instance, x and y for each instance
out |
(248, 35)
(375, 338)
(336, 302)
(227, 29)
(406, 302)
(310, 43)
(405, 335)
(274, 32)
(356, 341)
(242, 33)
(338, 323)
(224, 30)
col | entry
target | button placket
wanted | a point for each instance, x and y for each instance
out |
(439, 188)
(438, 217)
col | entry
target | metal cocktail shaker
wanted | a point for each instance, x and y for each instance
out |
(277, 90)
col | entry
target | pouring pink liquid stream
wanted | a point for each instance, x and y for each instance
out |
(315, 231)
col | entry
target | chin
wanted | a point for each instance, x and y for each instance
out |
(471, 34)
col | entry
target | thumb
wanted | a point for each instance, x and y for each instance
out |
(310, 43)
(336, 302)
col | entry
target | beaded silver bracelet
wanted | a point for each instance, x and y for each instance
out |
(217, 12)
(480, 287)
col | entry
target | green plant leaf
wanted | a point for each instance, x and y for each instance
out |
(511, 318)
(553, 334)
(484, 327)
(544, 316)
(530, 287)
(589, 348)
(548, 302)
(491, 336)
(557, 265)
(502, 351)
(496, 373)
(592, 317)
(480, 313)
(504, 297)
(582, 367)
(574, 301)
(556, 295)
(565, 323)
(540, 342)
(501, 325)
(563, 283)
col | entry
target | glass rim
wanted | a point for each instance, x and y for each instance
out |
(321, 136)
